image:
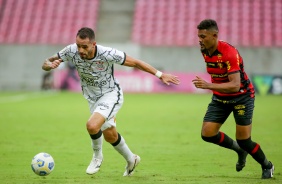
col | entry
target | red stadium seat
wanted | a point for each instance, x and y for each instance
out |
(45, 21)
(173, 23)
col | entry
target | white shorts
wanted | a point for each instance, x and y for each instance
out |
(108, 106)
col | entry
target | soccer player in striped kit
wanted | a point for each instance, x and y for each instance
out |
(232, 92)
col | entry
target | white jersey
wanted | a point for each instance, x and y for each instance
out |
(97, 74)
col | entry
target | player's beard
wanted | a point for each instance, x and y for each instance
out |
(82, 56)
(202, 47)
(85, 55)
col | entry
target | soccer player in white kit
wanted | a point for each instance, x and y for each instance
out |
(95, 66)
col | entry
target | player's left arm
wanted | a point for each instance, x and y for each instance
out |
(141, 65)
(234, 79)
(232, 86)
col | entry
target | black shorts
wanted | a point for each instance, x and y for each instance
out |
(219, 109)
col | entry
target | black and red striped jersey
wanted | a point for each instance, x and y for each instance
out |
(224, 61)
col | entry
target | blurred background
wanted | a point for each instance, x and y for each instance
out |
(160, 32)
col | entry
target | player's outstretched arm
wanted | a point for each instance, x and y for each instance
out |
(141, 65)
(51, 63)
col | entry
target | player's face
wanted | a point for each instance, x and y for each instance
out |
(86, 48)
(207, 39)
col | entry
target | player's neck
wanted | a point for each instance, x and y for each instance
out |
(212, 49)
(92, 55)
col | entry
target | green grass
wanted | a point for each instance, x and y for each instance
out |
(164, 129)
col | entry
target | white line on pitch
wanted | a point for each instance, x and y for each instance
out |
(23, 97)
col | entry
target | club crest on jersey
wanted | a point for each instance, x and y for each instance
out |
(228, 65)
(100, 65)
(220, 65)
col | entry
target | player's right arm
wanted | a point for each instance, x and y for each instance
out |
(141, 65)
(51, 63)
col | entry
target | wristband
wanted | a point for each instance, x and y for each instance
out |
(158, 74)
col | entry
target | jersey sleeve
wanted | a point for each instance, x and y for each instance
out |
(113, 55)
(67, 53)
(233, 61)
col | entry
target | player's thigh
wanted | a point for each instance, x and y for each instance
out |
(216, 115)
(243, 111)
(108, 105)
(243, 114)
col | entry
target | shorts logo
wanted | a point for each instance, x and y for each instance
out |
(239, 107)
(241, 112)
(103, 106)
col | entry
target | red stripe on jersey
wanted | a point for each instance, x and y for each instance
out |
(224, 61)
(255, 149)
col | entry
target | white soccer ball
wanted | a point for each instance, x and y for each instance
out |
(42, 164)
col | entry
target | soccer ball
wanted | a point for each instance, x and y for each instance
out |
(42, 164)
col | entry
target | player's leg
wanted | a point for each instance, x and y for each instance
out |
(108, 106)
(119, 144)
(243, 136)
(254, 150)
(102, 110)
(215, 116)
(223, 140)
(94, 125)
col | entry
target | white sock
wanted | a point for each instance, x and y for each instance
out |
(124, 150)
(97, 147)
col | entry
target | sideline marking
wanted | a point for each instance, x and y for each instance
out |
(23, 97)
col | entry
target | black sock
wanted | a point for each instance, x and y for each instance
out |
(118, 140)
(223, 140)
(255, 151)
(96, 136)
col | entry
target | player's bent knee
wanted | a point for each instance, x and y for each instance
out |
(92, 128)
(210, 129)
(212, 139)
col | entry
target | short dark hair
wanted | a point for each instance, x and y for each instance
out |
(86, 32)
(208, 24)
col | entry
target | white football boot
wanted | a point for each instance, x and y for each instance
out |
(131, 165)
(94, 166)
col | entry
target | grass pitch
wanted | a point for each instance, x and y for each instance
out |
(164, 129)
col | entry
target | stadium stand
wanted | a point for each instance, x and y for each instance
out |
(242, 23)
(45, 21)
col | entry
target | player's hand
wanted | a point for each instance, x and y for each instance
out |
(168, 78)
(55, 63)
(200, 83)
